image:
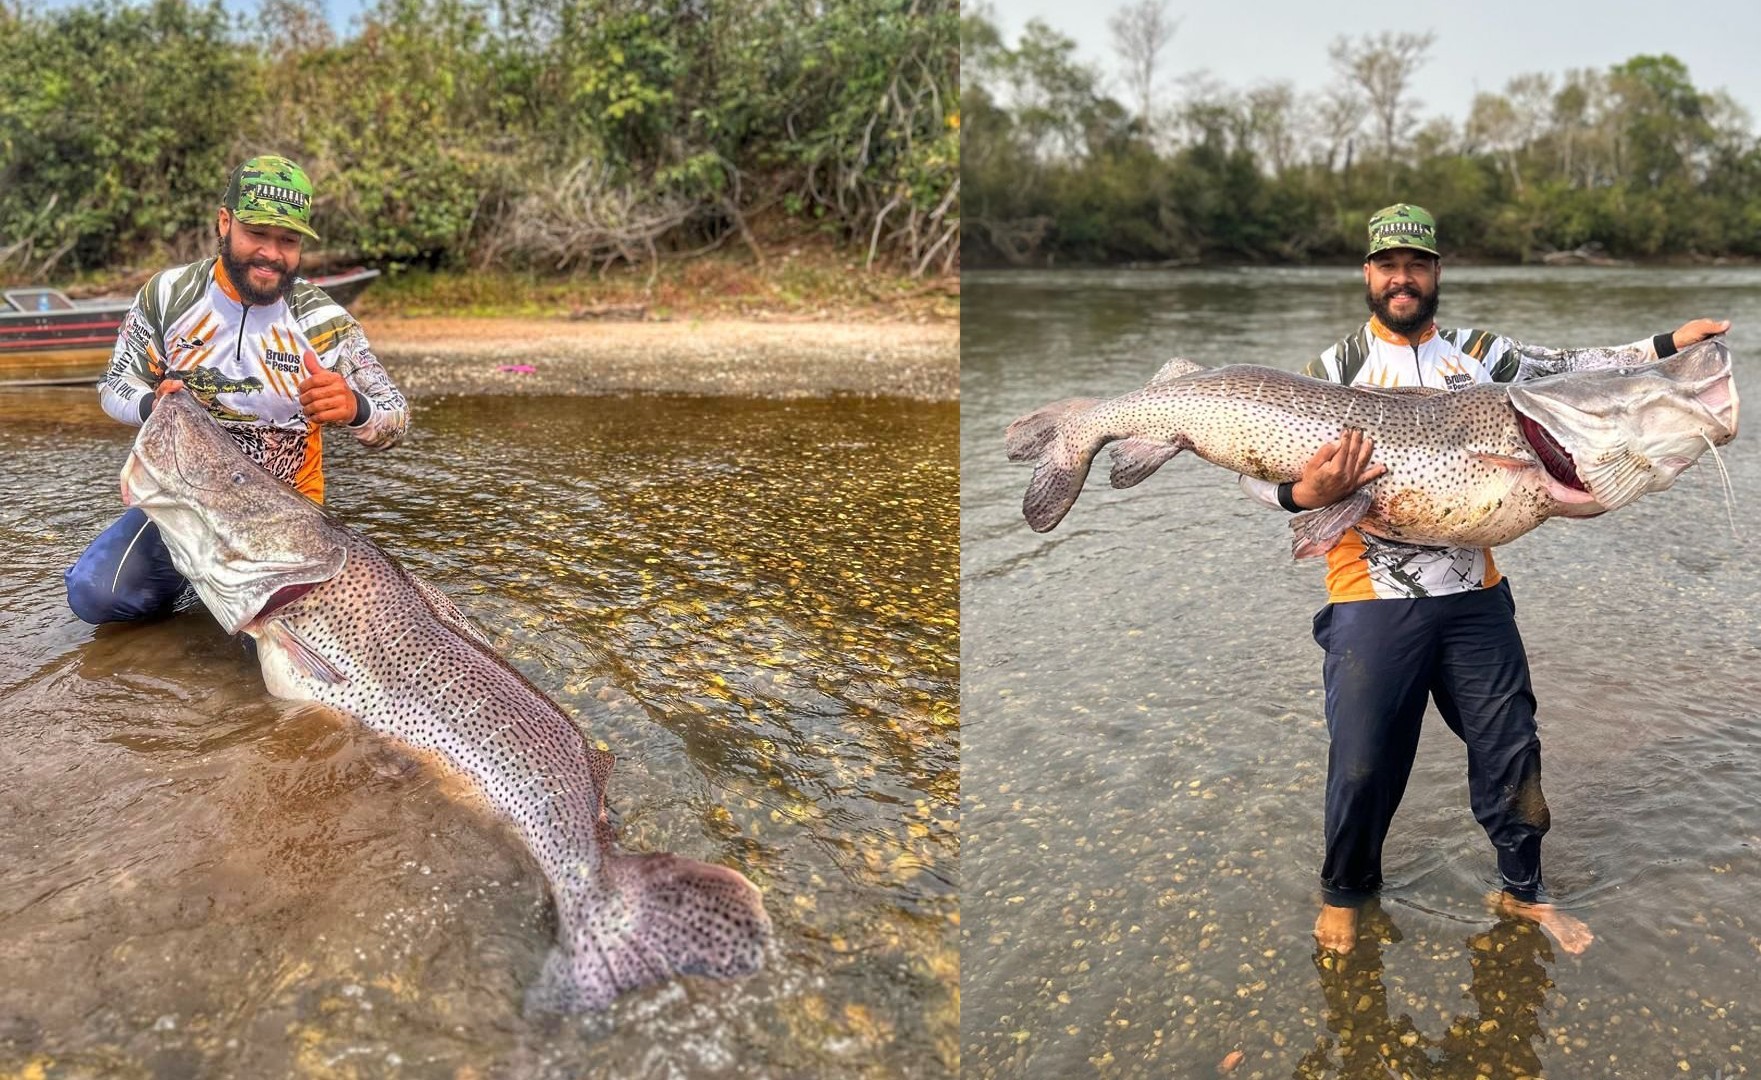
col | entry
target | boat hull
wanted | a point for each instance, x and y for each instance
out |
(74, 343)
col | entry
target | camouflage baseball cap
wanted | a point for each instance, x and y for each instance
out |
(270, 190)
(1403, 226)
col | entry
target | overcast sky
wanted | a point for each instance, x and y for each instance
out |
(1479, 45)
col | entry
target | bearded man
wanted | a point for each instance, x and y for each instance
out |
(269, 355)
(1405, 624)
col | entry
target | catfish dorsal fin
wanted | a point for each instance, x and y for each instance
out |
(446, 611)
(1172, 370)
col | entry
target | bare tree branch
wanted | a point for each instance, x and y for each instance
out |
(1141, 31)
(1382, 67)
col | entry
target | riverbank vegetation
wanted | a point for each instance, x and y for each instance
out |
(797, 282)
(1633, 162)
(519, 139)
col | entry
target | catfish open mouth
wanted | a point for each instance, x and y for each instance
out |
(1553, 457)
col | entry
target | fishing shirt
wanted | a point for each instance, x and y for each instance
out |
(244, 363)
(1365, 567)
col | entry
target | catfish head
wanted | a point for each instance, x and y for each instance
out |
(246, 541)
(1620, 433)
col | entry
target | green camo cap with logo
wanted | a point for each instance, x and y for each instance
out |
(1403, 226)
(270, 190)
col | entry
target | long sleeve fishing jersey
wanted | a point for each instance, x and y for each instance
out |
(1365, 567)
(244, 362)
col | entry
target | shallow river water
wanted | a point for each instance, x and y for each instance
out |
(752, 604)
(1144, 751)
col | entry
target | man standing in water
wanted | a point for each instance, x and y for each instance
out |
(1406, 623)
(269, 355)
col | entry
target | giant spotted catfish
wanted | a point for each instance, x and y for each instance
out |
(338, 621)
(1471, 468)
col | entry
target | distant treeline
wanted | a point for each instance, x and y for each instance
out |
(553, 134)
(1634, 161)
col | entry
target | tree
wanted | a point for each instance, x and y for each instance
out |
(1663, 118)
(1577, 127)
(1382, 68)
(1337, 120)
(1140, 32)
(1273, 120)
(1054, 94)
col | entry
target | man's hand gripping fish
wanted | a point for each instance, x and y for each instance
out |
(339, 622)
(1471, 468)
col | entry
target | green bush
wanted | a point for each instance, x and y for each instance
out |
(441, 123)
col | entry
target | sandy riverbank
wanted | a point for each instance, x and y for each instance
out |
(724, 357)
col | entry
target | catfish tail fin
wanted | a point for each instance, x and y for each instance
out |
(640, 919)
(1047, 437)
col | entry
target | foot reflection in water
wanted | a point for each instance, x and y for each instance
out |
(1501, 1038)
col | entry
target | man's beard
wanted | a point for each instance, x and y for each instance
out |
(1418, 320)
(239, 273)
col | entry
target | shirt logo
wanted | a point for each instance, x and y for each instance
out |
(288, 362)
(1456, 382)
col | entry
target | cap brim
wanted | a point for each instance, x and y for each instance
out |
(257, 217)
(1396, 247)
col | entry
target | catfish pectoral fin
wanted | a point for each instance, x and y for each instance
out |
(1618, 478)
(1316, 531)
(305, 659)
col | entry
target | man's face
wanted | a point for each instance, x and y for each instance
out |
(1401, 287)
(260, 259)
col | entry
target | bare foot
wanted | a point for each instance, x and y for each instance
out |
(1568, 933)
(1336, 928)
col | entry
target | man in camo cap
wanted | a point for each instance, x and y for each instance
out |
(1403, 226)
(271, 357)
(1404, 625)
(271, 190)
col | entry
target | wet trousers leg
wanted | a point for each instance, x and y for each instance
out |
(1384, 658)
(124, 574)
(1377, 675)
(1482, 689)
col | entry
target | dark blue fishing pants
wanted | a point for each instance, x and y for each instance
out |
(1384, 658)
(124, 574)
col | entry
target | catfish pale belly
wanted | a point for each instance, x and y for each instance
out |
(1471, 468)
(339, 622)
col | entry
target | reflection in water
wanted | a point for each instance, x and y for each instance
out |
(1499, 1038)
(751, 604)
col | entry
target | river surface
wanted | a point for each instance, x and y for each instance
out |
(752, 604)
(1144, 749)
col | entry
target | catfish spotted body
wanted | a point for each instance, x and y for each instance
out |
(339, 622)
(1460, 471)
